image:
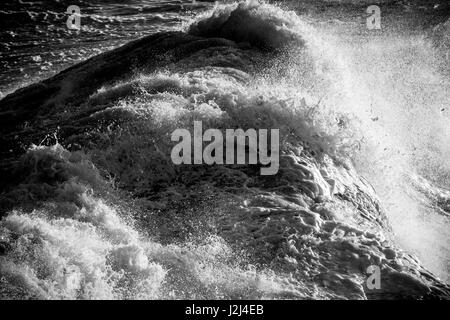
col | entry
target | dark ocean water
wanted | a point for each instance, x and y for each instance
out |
(95, 210)
(36, 42)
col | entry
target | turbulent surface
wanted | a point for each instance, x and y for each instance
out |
(97, 209)
(35, 41)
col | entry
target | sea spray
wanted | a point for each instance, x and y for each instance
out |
(146, 228)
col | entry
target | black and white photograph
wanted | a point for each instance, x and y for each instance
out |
(234, 151)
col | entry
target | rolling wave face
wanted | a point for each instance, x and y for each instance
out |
(102, 212)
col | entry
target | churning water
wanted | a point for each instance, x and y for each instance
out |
(95, 209)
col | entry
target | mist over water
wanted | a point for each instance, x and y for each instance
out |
(396, 92)
(121, 222)
(392, 89)
(396, 89)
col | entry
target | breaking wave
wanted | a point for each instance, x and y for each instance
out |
(98, 211)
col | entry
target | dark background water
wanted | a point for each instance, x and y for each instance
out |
(35, 41)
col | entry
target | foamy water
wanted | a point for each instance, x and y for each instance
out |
(103, 213)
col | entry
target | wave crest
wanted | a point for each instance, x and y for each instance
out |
(256, 23)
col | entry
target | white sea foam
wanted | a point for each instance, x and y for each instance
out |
(340, 101)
